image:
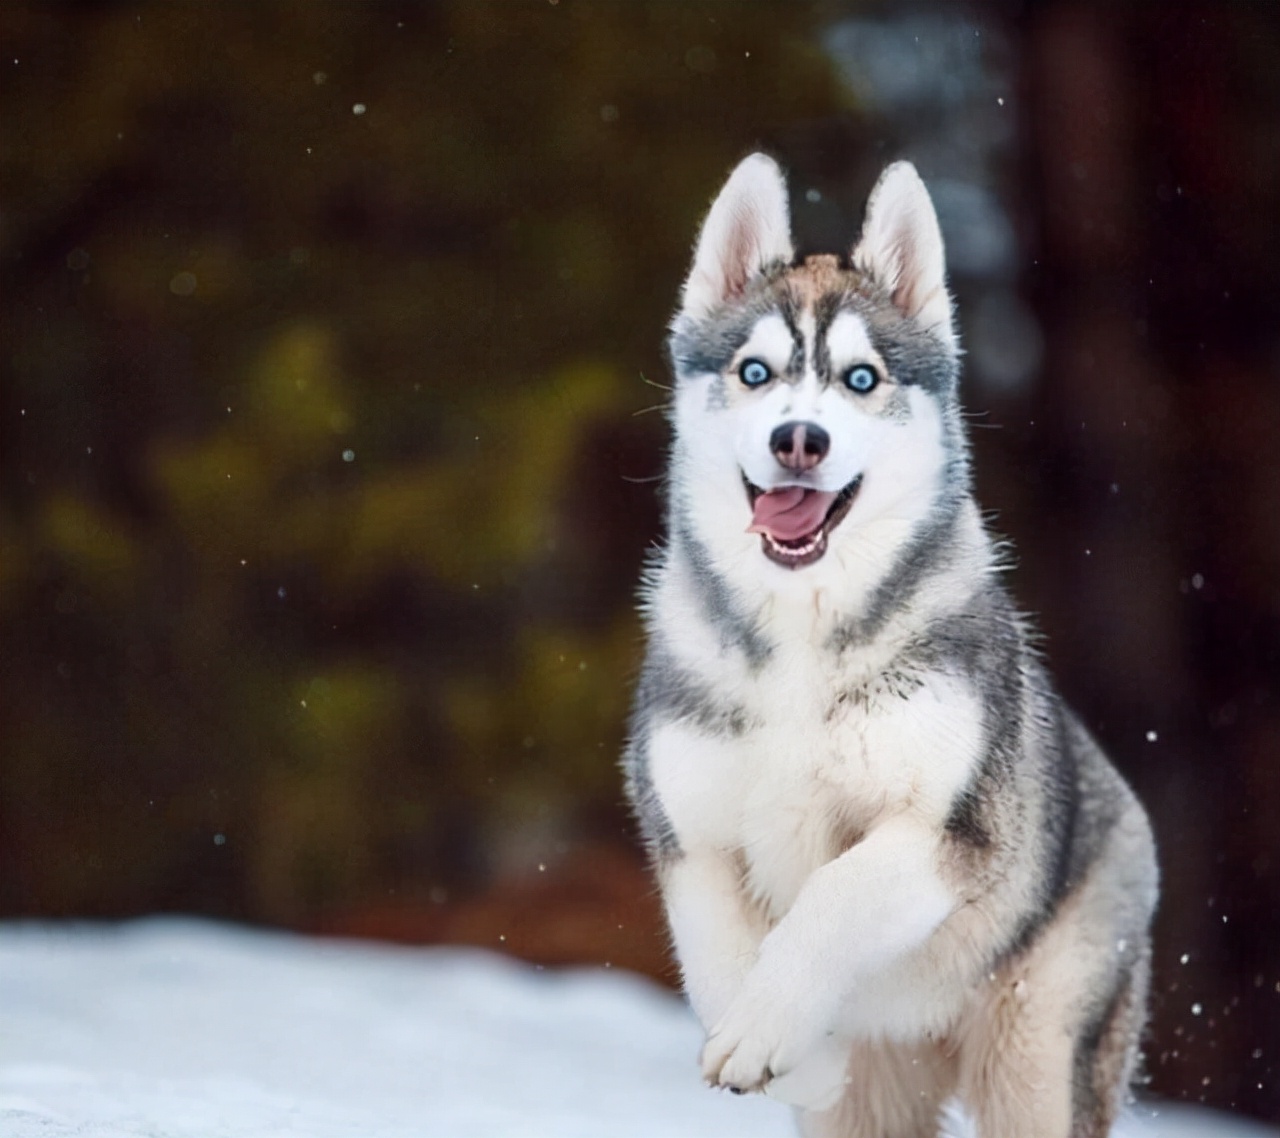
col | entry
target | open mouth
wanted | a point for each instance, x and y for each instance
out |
(794, 522)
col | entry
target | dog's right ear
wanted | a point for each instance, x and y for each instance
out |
(901, 248)
(747, 230)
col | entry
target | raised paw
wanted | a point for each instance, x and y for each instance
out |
(755, 1043)
(737, 1064)
(818, 1081)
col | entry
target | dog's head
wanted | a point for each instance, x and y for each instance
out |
(815, 403)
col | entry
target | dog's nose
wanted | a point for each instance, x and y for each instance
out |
(799, 446)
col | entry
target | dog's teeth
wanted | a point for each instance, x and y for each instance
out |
(796, 551)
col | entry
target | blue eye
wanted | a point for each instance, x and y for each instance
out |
(754, 372)
(861, 378)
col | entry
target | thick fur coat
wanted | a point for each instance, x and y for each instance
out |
(896, 867)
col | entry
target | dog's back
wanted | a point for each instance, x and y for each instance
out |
(895, 866)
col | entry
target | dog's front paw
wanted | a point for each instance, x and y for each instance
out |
(818, 1081)
(739, 1061)
(757, 1041)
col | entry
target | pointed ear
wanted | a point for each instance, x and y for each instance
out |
(901, 248)
(747, 229)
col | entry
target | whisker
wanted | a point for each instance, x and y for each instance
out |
(972, 417)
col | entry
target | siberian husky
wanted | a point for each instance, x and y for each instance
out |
(897, 870)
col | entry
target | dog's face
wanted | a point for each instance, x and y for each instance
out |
(816, 398)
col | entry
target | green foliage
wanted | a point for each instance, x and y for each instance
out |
(327, 324)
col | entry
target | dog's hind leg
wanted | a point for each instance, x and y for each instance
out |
(894, 1091)
(1016, 1062)
(1106, 1054)
(1049, 1051)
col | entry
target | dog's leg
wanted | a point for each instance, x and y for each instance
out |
(717, 935)
(892, 1091)
(858, 912)
(1106, 1058)
(1050, 1051)
(1016, 1064)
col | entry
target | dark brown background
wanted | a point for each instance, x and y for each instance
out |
(326, 473)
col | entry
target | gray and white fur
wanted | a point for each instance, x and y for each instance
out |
(898, 871)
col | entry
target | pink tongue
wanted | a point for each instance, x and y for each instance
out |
(791, 512)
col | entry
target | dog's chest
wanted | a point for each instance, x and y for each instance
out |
(829, 756)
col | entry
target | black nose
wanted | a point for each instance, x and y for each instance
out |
(799, 446)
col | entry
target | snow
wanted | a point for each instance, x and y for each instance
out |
(169, 1028)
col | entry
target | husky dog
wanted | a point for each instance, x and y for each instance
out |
(897, 869)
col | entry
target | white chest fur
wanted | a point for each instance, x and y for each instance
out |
(828, 754)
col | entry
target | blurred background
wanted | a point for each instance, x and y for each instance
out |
(330, 431)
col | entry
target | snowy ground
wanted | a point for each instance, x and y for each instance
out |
(186, 1029)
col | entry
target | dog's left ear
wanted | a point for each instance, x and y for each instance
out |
(901, 248)
(747, 230)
